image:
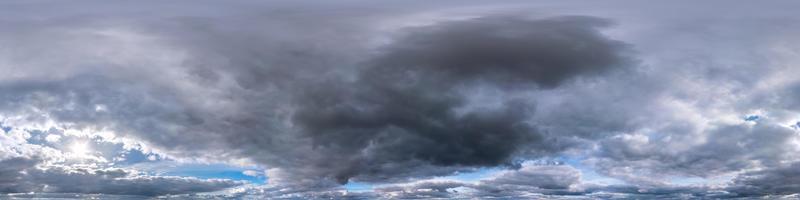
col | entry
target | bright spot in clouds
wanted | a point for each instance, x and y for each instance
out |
(250, 172)
(52, 138)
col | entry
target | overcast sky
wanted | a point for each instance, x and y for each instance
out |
(353, 99)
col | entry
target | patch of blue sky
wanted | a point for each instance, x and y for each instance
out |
(467, 176)
(37, 137)
(587, 173)
(354, 186)
(5, 128)
(481, 173)
(214, 171)
(134, 156)
(752, 118)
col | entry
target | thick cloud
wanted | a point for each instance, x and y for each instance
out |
(526, 182)
(408, 103)
(353, 91)
(783, 180)
(20, 175)
(403, 111)
(26, 167)
(537, 181)
(545, 177)
(728, 148)
(502, 50)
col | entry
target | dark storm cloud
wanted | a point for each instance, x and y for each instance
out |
(396, 111)
(403, 106)
(504, 50)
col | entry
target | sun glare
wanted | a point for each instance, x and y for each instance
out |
(80, 148)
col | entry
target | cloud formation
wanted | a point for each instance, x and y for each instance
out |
(402, 97)
(773, 181)
(21, 175)
(30, 168)
(410, 106)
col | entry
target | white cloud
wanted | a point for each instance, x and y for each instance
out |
(53, 138)
(250, 173)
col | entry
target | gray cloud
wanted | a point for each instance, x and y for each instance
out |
(538, 181)
(404, 105)
(22, 175)
(783, 180)
(503, 50)
(729, 148)
(545, 177)
(325, 94)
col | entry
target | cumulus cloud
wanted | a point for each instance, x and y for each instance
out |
(26, 168)
(21, 175)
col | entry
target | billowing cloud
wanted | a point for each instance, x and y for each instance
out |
(410, 106)
(403, 97)
(31, 168)
(406, 106)
(21, 175)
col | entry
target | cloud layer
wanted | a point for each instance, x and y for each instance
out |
(554, 99)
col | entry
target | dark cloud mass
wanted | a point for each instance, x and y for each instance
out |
(398, 100)
(504, 50)
(403, 111)
(404, 105)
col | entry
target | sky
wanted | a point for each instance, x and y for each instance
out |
(356, 99)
